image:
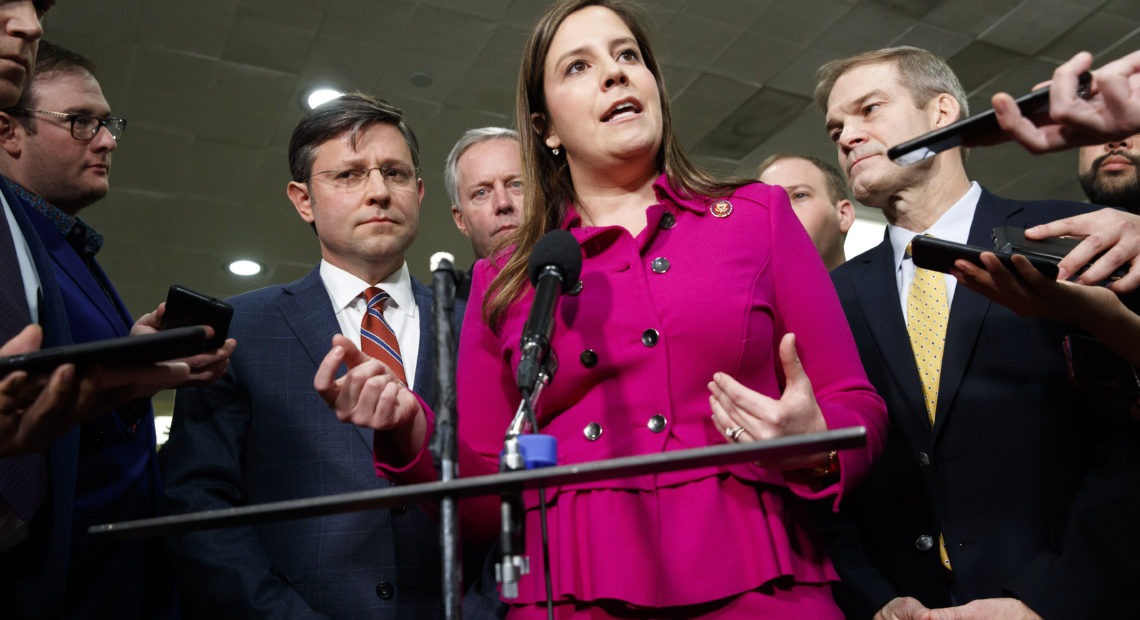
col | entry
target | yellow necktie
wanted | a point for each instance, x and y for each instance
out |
(927, 314)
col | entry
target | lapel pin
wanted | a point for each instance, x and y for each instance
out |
(721, 208)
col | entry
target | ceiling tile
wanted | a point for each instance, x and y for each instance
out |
(1094, 34)
(1032, 25)
(941, 42)
(693, 41)
(978, 63)
(753, 122)
(261, 42)
(368, 21)
(970, 17)
(198, 27)
(863, 28)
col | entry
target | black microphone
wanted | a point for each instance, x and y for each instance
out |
(554, 267)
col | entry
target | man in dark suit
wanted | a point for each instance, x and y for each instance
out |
(263, 433)
(55, 147)
(1003, 491)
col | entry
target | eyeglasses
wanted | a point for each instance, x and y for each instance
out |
(395, 177)
(84, 127)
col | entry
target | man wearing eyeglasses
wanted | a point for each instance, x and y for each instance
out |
(264, 434)
(55, 158)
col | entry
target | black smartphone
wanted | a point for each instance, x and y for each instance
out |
(126, 351)
(1012, 240)
(939, 255)
(1093, 366)
(977, 130)
(186, 307)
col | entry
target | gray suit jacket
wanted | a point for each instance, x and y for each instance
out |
(263, 434)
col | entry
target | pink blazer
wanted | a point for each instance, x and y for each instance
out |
(710, 285)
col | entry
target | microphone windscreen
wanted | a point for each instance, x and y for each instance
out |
(441, 256)
(560, 249)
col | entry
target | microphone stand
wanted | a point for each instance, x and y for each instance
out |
(514, 562)
(444, 444)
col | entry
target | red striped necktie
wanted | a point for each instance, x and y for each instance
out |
(377, 339)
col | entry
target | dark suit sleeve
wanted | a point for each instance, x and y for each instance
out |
(202, 463)
(862, 589)
(1094, 571)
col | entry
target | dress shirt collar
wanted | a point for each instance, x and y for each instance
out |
(344, 288)
(954, 225)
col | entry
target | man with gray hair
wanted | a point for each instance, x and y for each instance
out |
(1003, 491)
(264, 434)
(483, 176)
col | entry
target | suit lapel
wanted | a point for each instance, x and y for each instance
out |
(425, 380)
(968, 310)
(71, 268)
(306, 308)
(876, 290)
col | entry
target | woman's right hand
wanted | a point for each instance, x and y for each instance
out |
(743, 414)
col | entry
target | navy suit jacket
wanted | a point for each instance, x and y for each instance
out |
(37, 568)
(263, 434)
(1032, 483)
(115, 468)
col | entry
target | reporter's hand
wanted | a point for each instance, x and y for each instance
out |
(902, 608)
(206, 367)
(762, 417)
(1029, 293)
(1111, 112)
(1115, 233)
(986, 609)
(36, 410)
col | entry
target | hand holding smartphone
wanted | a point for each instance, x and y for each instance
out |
(939, 255)
(978, 130)
(185, 307)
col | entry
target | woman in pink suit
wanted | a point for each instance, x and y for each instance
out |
(680, 336)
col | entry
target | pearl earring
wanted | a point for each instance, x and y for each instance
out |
(556, 151)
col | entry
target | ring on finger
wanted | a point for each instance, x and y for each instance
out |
(734, 433)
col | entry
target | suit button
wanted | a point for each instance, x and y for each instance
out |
(650, 337)
(657, 423)
(592, 431)
(660, 265)
(399, 510)
(589, 358)
(576, 289)
(668, 221)
(385, 590)
(923, 459)
(923, 543)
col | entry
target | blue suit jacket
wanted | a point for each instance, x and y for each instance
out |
(117, 476)
(38, 567)
(263, 434)
(1032, 483)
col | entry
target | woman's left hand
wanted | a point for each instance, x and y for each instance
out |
(743, 414)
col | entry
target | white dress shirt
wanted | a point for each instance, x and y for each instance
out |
(954, 225)
(400, 312)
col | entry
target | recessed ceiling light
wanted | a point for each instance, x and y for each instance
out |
(319, 96)
(245, 267)
(422, 79)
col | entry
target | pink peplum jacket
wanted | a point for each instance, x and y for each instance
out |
(709, 285)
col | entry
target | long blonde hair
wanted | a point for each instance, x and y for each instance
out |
(548, 184)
